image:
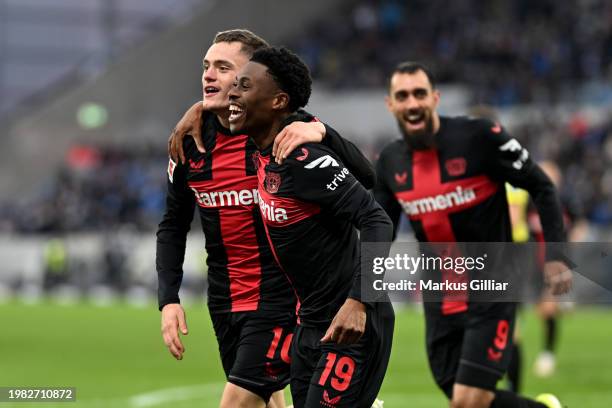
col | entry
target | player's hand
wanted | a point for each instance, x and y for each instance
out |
(189, 124)
(173, 319)
(348, 325)
(558, 277)
(294, 135)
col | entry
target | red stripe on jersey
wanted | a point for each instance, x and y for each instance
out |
(431, 201)
(280, 211)
(299, 302)
(236, 222)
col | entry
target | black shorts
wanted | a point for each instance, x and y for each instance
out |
(255, 349)
(471, 348)
(335, 376)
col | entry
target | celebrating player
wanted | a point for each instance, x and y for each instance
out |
(310, 205)
(251, 303)
(468, 160)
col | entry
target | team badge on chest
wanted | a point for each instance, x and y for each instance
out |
(272, 182)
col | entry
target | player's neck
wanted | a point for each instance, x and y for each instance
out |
(265, 137)
(436, 123)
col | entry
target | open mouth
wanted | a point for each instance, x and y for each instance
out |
(415, 118)
(236, 113)
(210, 90)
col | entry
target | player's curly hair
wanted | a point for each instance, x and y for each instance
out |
(289, 72)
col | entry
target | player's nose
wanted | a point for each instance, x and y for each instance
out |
(412, 102)
(209, 75)
(233, 93)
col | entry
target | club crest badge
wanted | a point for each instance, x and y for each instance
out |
(272, 182)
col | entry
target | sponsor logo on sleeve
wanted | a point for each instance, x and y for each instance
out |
(322, 162)
(338, 178)
(514, 146)
(171, 167)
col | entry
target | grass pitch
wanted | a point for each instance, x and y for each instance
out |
(115, 357)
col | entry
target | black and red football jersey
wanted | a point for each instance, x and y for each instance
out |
(455, 191)
(242, 272)
(311, 205)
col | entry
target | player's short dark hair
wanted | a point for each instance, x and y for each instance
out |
(411, 67)
(250, 41)
(289, 72)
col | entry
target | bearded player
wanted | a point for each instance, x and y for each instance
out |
(448, 174)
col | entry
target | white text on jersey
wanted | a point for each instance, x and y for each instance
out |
(438, 202)
(227, 198)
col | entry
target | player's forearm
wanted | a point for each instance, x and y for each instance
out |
(351, 156)
(546, 200)
(170, 252)
(169, 259)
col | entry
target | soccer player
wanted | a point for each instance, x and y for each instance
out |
(311, 205)
(251, 303)
(467, 161)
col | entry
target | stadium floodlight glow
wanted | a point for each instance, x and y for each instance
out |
(92, 115)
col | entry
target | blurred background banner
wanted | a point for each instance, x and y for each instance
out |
(90, 90)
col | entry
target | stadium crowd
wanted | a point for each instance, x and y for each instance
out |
(507, 52)
(101, 188)
(97, 189)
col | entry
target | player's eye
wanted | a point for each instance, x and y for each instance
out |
(420, 93)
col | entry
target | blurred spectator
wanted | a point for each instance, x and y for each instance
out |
(97, 189)
(507, 52)
(122, 188)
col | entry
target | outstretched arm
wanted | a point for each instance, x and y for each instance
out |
(305, 128)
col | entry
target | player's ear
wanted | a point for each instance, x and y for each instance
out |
(388, 102)
(436, 97)
(280, 102)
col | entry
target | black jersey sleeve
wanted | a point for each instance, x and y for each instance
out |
(172, 235)
(385, 197)
(511, 162)
(322, 178)
(348, 152)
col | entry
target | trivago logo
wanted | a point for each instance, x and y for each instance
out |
(227, 198)
(271, 213)
(438, 202)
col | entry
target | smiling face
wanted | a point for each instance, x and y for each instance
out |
(221, 63)
(413, 102)
(255, 101)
